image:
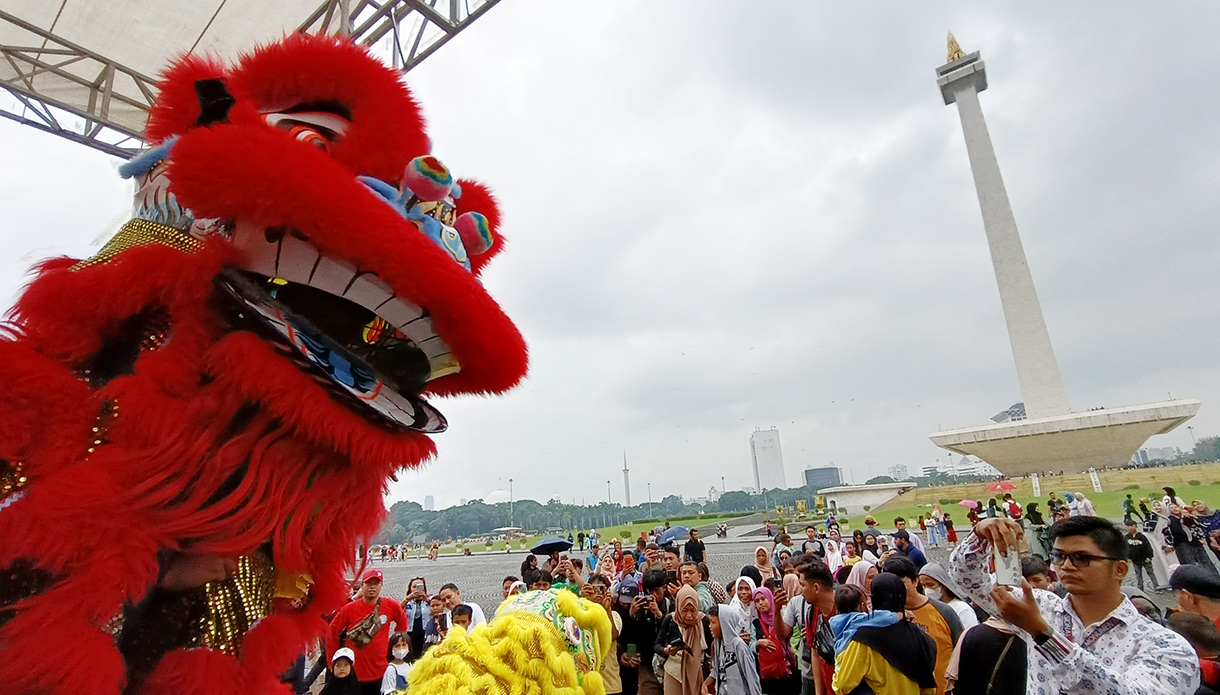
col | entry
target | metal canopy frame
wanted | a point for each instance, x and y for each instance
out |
(409, 30)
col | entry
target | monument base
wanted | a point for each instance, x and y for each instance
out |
(1070, 443)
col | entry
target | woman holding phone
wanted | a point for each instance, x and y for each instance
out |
(683, 641)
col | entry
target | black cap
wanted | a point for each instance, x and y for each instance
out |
(1197, 580)
(902, 534)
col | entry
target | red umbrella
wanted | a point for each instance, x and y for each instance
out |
(969, 504)
(1001, 486)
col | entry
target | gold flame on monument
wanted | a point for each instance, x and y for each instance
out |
(955, 51)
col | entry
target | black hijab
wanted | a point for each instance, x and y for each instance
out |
(752, 572)
(1033, 515)
(342, 686)
(904, 644)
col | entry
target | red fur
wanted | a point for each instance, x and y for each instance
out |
(305, 473)
(477, 197)
(177, 108)
(388, 127)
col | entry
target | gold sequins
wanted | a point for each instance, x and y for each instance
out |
(12, 477)
(141, 233)
(235, 604)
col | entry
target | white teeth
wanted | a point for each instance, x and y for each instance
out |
(400, 314)
(418, 331)
(332, 276)
(297, 259)
(260, 253)
(369, 292)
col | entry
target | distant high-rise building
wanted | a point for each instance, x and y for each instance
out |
(429, 503)
(713, 494)
(898, 471)
(462, 502)
(768, 460)
(826, 476)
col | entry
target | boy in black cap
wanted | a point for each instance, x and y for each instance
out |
(1139, 551)
(1198, 591)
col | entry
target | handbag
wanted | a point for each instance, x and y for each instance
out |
(773, 664)
(364, 631)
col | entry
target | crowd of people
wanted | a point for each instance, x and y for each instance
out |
(865, 612)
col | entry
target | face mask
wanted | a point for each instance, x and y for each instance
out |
(933, 594)
(400, 653)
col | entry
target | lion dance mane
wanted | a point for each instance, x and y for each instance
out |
(236, 375)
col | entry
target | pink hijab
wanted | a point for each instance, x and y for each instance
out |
(859, 572)
(768, 618)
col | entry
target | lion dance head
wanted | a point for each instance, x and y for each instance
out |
(233, 378)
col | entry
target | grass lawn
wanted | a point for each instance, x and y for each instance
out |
(1147, 482)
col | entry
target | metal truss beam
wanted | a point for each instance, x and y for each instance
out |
(415, 29)
(90, 75)
(411, 30)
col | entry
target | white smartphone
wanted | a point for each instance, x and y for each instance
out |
(1007, 568)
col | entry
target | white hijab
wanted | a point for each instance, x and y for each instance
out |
(750, 611)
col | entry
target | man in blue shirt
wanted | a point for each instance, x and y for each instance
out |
(902, 541)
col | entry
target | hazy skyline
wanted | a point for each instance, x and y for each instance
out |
(721, 219)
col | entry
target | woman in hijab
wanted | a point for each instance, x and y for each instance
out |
(861, 577)
(1155, 527)
(870, 550)
(898, 659)
(938, 586)
(992, 510)
(733, 666)
(1037, 527)
(1084, 505)
(775, 663)
(937, 527)
(762, 563)
(1072, 505)
(743, 597)
(683, 640)
(834, 551)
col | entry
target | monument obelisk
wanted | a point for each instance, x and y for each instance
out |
(1042, 389)
(1051, 437)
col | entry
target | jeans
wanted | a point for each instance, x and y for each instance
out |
(1142, 568)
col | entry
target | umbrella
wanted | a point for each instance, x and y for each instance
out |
(674, 534)
(551, 544)
(969, 504)
(1001, 486)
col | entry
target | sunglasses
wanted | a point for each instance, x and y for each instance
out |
(1079, 560)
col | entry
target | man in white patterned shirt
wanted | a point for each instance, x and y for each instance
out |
(1094, 642)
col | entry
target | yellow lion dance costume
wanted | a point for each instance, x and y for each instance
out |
(540, 643)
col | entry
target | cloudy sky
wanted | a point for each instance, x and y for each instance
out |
(722, 219)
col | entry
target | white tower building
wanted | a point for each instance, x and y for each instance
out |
(768, 460)
(1052, 437)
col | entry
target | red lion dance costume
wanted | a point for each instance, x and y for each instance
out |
(198, 424)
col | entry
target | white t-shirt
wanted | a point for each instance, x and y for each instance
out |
(964, 613)
(389, 682)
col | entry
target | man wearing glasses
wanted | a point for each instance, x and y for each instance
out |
(1092, 642)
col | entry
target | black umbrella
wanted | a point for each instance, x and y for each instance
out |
(551, 544)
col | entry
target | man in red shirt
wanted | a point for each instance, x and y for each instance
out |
(368, 615)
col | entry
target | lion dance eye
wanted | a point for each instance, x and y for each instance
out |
(310, 136)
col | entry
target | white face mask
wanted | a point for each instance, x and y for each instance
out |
(401, 653)
(933, 594)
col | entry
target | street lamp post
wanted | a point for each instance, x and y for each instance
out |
(649, 500)
(608, 500)
(510, 501)
(1191, 429)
